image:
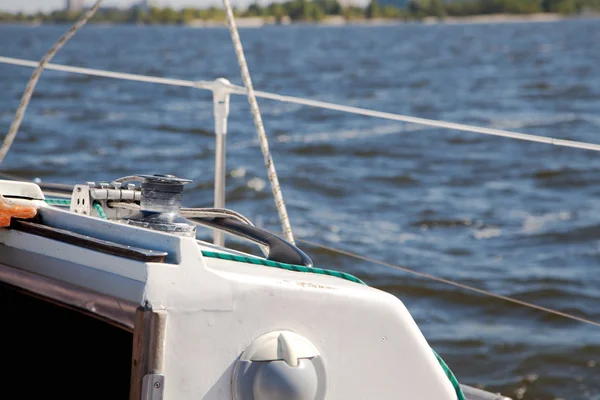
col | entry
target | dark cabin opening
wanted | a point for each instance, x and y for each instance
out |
(54, 351)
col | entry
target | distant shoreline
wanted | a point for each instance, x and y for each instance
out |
(258, 22)
(502, 18)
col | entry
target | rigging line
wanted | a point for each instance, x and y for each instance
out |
(239, 90)
(425, 121)
(35, 76)
(450, 282)
(109, 74)
(258, 123)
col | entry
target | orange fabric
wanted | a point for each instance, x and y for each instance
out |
(8, 211)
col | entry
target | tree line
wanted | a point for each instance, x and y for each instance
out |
(317, 10)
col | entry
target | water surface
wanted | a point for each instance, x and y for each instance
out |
(520, 219)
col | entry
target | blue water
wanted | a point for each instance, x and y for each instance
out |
(520, 219)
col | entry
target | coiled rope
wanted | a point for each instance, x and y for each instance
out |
(260, 129)
(35, 76)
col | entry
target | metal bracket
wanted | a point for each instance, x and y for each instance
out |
(81, 200)
(153, 386)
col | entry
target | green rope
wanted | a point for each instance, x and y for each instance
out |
(62, 202)
(58, 202)
(451, 376)
(99, 210)
(288, 267)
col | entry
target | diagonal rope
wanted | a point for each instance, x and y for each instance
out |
(35, 76)
(109, 74)
(428, 122)
(239, 90)
(450, 282)
(260, 129)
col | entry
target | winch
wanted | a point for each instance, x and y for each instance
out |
(156, 205)
(159, 198)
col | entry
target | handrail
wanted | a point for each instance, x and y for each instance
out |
(280, 250)
(239, 90)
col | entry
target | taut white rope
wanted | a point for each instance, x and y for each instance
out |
(33, 80)
(109, 74)
(428, 122)
(260, 129)
(312, 103)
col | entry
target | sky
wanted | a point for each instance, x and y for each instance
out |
(49, 5)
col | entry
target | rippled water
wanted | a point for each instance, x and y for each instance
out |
(520, 219)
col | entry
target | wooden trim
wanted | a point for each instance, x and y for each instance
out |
(156, 359)
(149, 343)
(138, 358)
(117, 312)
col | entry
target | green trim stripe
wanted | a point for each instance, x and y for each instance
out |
(275, 264)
